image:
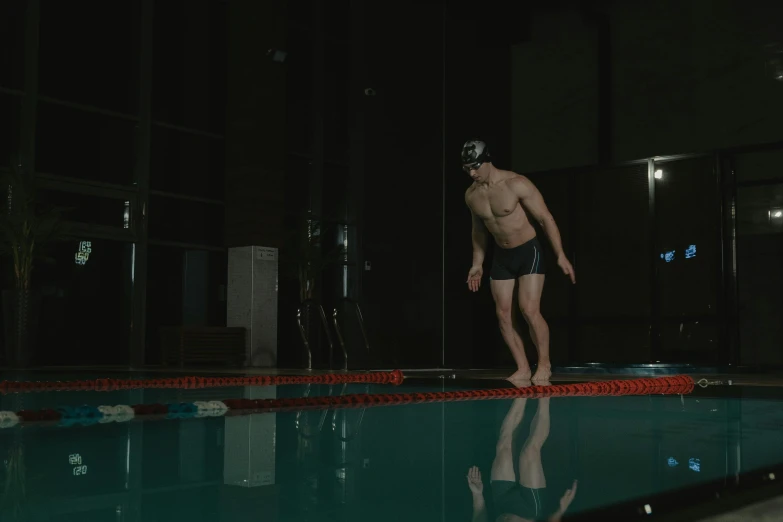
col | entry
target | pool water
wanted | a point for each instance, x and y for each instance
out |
(402, 462)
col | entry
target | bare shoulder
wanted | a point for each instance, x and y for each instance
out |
(519, 184)
(469, 193)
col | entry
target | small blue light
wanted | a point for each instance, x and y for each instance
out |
(669, 257)
(690, 252)
(695, 464)
(672, 462)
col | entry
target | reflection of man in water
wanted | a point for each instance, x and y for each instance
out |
(518, 499)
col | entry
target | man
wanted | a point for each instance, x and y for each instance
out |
(500, 202)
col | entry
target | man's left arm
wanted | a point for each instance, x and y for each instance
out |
(533, 202)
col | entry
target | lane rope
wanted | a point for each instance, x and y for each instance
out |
(704, 382)
(91, 415)
(193, 383)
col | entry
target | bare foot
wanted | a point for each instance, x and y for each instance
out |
(520, 375)
(543, 374)
(520, 383)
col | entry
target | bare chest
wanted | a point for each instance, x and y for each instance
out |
(494, 203)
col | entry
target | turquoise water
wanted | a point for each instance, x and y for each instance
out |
(405, 462)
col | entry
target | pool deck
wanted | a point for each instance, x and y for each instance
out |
(766, 511)
(560, 375)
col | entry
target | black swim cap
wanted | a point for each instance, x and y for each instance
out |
(475, 152)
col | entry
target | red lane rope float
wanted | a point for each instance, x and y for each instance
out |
(675, 385)
(88, 415)
(192, 383)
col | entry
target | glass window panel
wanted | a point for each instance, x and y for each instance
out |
(760, 273)
(299, 84)
(754, 166)
(335, 193)
(186, 221)
(614, 342)
(9, 128)
(687, 211)
(85, 296)
(85, 145)
(184, 287)
(85, 208)
(189, 64)
(337, 88)
(89, 53)
(186, 163)
(12, 24)
(612, 245)
(296, 182)
(690, 341)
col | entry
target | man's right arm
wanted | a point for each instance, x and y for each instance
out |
(479, 237)
(479, 509)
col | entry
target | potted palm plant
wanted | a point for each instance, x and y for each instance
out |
(27, 228)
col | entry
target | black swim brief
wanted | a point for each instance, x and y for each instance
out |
(512, 263)
(514, 499)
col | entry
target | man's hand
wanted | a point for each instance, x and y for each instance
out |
(474, 278)
(566, 267)
(475, 483)
(567, 498)
(565, 501)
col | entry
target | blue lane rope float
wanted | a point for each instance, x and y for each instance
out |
(79, 415)
(182, 410)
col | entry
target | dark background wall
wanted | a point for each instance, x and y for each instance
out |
(120, 110)
(478, 105)
(387, 158)
(685, 77)
(255, 124)
(403, 183)
(681, 78)
(198, 140)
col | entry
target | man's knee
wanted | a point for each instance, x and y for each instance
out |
(531, 450)
(504, 445)
(530, 309)
(503, 312)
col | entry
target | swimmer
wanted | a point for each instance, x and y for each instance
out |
(500, 202)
